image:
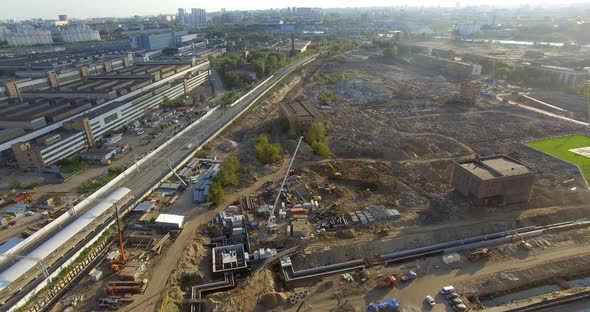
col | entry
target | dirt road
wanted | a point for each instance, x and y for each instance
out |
(411, 296)
(163, 266)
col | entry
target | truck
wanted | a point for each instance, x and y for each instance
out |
(480, 253)
(386, 281)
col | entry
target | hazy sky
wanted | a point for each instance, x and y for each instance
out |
(24, 9)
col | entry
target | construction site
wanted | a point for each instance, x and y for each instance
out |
(388, 215)
(430, 199)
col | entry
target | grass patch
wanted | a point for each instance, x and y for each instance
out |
(559, 148)
(332, 78)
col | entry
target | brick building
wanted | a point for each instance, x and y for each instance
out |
(493, 180)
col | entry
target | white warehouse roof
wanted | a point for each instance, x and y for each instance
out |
(171, 219)
(56, 241)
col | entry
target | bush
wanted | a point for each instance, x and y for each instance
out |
(15, 185)
(229, 98)
(266, 152)
(327, 98)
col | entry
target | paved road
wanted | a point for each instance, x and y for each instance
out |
(154, 170)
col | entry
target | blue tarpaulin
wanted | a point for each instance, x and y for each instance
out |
(384, 306)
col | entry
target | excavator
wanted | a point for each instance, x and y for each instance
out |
(335, 173)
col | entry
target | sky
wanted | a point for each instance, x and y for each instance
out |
(25, 9)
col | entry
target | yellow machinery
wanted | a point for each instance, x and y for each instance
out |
(520, 241)
(335, 172)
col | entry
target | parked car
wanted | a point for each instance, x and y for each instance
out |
(456, 301)
(430, 300)
(409, 276)
(452, 295)
(446, 290)
(29, 213)
(460, 307)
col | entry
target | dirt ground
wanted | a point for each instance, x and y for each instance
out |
(466, 276)
(394, 147)
(398, 152)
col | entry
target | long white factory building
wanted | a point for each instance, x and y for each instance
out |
(30, 268)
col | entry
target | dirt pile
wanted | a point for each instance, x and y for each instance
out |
(273, 299)
(246, 296)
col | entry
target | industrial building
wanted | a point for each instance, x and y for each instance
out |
(67, 113)
(493, 180)
(451, 69)
(566, 76)
(67, 65)
(299, 114)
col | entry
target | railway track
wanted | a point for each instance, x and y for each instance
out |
(156, 171)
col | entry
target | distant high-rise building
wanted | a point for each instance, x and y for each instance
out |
(182, 16)
(196, 17)
(63, 18)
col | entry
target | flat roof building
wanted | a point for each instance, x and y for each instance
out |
(65, 119)
(493, 180)
(299, 114)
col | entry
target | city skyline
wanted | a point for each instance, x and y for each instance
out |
(50, 10)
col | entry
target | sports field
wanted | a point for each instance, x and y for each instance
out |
(559, 147)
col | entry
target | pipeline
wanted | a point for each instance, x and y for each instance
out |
(290, 275)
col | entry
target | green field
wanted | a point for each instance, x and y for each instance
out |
(559, 147)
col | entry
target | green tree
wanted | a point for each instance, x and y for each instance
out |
(316, 138)
(232, 80)
(259, 66)
(265, 151)
(390, 53)
(316, 133)
(229, 174)
(216, 192)
(213, 230)
(320, 148)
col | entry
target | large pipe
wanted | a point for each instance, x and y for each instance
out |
(453, 246)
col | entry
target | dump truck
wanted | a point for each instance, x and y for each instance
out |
(480, 253)
(385, 281)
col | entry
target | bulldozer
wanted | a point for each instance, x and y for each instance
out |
(373, 261)
(521, 241)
